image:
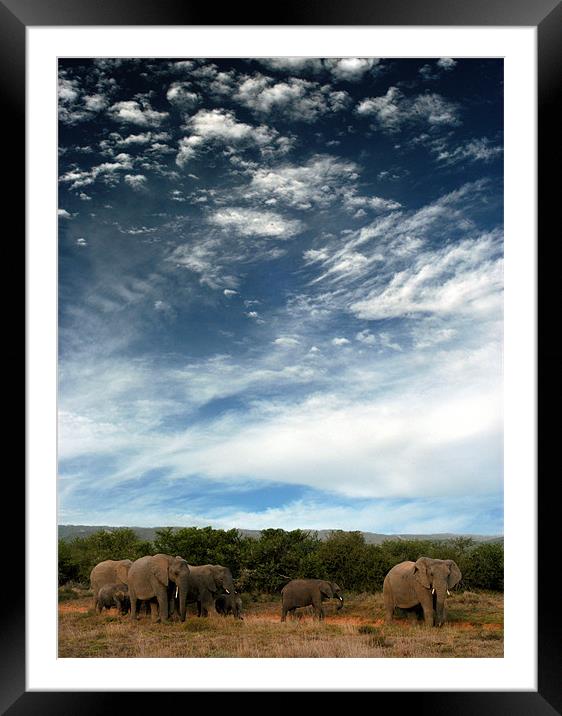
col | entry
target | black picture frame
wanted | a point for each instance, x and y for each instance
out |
(546, 16)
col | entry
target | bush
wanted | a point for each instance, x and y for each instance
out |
(81, 554)
(266, 564)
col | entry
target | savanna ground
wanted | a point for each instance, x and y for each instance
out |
(474, 629)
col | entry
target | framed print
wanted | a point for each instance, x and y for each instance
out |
(178, 173)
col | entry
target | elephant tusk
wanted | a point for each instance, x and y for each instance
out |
(177, 592)
(448, 593)
(226, 590)
(341, 599)
(433, 590)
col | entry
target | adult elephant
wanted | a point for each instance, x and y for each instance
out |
(309, 592)
(111, 571)
(158, 578)
(206, 582)
(424, 583)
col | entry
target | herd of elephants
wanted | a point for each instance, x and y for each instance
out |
(165, 585)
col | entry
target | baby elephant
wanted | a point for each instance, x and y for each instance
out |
(113, 595)
(229, 604)
(309, 592)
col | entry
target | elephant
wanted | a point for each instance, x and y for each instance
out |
(160, 579)
(309, 592)
(111, 571)
(229, 604)
(113, 595)
(424, 583)
(206, 582)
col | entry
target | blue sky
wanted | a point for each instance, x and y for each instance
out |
(281, 293)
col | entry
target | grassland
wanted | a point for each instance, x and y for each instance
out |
(474, 629)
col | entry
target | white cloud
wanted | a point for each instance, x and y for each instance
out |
(81, 242)
(140, 139)
(206, 259)
(340, 341)
(464, 278)
(313, 255)
(286, 342)
(220, 126)
(393, 517)
(250, 222)
(294, 98)
(136, 181)
(136, 113)
(352, 202)
(68, 91)
(391, 243)
(95, 102)
(351, 69)
(366, 337)
(63, 214)
(414, 444)
(473, 150)
(293, 64)
(74, 106)
(107, 172)
(181, 96)
(321, 180)
(446, 63)
(393, 110)
(230, 292)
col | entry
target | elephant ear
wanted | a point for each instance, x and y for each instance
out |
(326, 590)
(220, 578)
(420, 572)
(209, 581)
(122, 570)
(159, 565)
(454, 574)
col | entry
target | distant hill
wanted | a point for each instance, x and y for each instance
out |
(149, 533)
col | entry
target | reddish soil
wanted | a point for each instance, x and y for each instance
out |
(83, 606)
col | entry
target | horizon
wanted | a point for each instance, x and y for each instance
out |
(303, 529)
(281, 293)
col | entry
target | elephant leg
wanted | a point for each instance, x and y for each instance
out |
(163, 604)
(153, 611)
(318, 611)
(284, 611)
(206, 603)
(97, 607)
(172, 601)
(428, 613)
(133, 598)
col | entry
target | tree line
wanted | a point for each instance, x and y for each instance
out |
(265, 564)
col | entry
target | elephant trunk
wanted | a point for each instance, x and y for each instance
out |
(439, 605)
(182, 595)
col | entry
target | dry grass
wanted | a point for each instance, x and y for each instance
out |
(474, 629)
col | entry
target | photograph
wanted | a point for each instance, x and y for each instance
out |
(282, 353)
(280, 346)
